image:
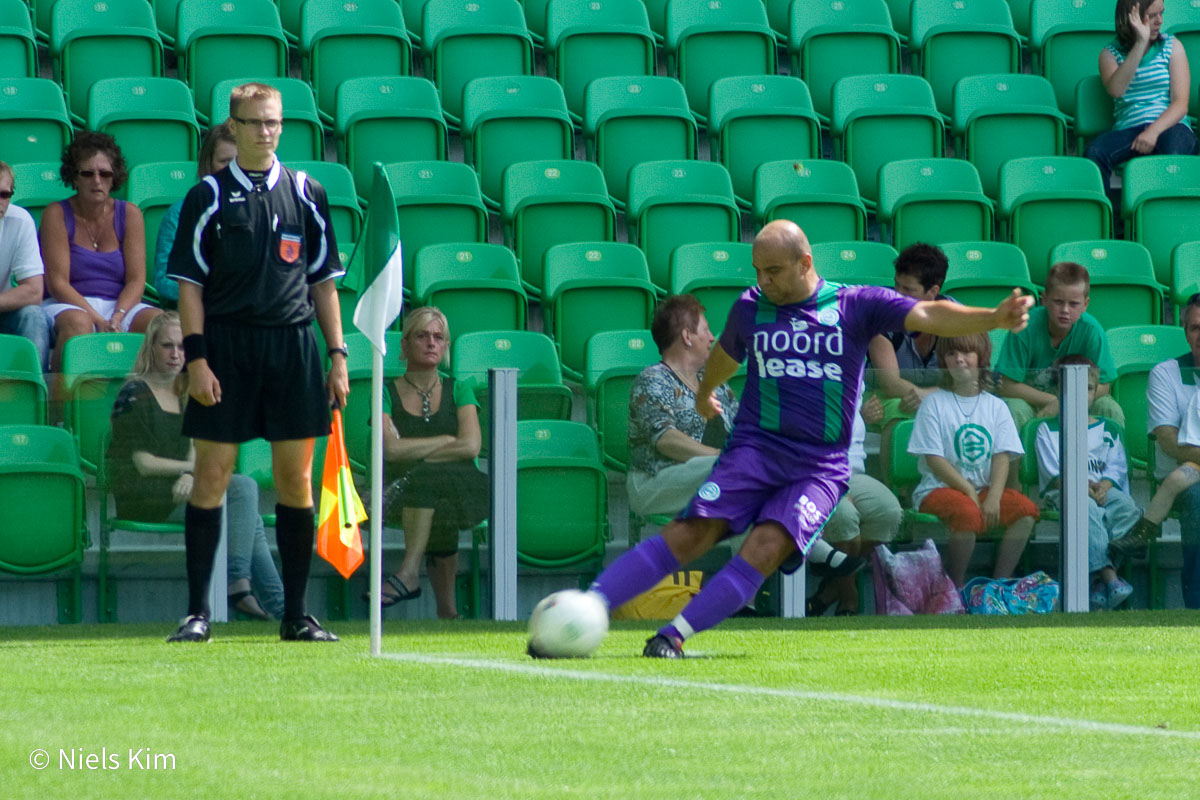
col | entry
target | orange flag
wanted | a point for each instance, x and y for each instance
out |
(338, 540)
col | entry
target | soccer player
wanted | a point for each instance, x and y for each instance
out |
(255, 259)
(784, 466)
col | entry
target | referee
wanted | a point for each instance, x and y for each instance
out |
(255, 259)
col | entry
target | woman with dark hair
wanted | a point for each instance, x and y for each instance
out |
(151, 463)
(94, 247)
(216, 151)
(1146, 72)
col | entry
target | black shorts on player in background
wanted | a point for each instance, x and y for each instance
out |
(272, 385)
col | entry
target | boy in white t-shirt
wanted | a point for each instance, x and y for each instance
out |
(1112, 513)
(965, 438)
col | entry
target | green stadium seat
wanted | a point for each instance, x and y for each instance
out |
(464, 40)
(41, 489)
(22, 387)
(819, 196)
(758, 118)
(154, 188)
(1020, 17)
(152, 119)
(303, 138)
(904, 475)
(37, 184)
(562, 496)
(612, 361)
(679, 202)
(34, 123)
(1183, 22)
(95, 366)
(933, 200)
(1185, 272)
(656, 12)
(337, 38)
(92, 40)
(289, 18)
(414, 18)
(553, 202)
(1135, 350)
(865, 263)
(1123, 288)
(984, 273)
(1160, 202)
(476, 286)
(1001, 117)
(18, 54)
(883, 118)
(165, 13)
(590, 39)
(593, 287)
(375, 113)
(1093, 111)
(39, 12)
(218, 41)
(510, 119)
(715, 273)
(436, 202)
(952, 40)
(541, 393)
(708, 41)
(1045, 200)
(829, 41)
(344, 210)
(628, 120)
(1065, 40)
(901, 17)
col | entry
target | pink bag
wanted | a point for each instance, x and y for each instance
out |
(913, 583)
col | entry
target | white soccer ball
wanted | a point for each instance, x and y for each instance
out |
(568, 624)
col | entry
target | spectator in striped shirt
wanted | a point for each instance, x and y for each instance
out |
(1146, 72)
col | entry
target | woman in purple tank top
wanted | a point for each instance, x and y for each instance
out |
(94, 248)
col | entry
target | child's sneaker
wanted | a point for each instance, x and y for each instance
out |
(1098, 599)
(1118, 592)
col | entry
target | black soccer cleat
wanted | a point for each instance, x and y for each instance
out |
(305, 629)
(660, 646)
(193, 629)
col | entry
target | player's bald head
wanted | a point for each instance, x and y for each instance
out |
(781, 241)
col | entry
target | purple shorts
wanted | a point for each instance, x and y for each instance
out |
(748, 486)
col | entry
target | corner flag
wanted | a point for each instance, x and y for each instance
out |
(338, 540)
(383, 298)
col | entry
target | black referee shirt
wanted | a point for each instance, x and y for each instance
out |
(256, 249)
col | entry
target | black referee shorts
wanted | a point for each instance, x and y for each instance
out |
(272, 385)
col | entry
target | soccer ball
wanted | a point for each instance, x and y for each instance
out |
(568, 624)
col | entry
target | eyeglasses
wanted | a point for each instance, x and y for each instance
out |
(106, 174)
(271, 125)
(6, 195)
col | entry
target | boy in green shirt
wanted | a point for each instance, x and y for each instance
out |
(1059, 327)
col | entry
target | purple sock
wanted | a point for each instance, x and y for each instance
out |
(730, 589)
(635, 571)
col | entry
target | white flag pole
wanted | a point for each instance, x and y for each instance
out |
(377, 424)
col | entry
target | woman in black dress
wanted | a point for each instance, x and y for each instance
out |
(430, 444)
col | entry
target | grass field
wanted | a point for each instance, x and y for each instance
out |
(1062, 706)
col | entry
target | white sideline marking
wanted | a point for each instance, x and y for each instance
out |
(540, 671)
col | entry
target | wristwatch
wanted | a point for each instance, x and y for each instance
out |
(345, 353)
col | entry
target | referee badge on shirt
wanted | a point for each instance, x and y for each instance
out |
(289, 247)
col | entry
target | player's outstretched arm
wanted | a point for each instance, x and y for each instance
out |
(719, 368)
(943, 318)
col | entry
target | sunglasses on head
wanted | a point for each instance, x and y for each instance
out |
(91, 173)
(6, 195)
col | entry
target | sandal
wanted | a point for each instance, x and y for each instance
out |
(402, 593)
(246, 603)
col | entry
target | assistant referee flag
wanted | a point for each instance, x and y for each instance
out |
(338, 540)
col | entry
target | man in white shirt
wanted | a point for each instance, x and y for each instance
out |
(1170, 388)
(21, 262)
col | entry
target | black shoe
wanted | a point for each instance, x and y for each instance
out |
(305, 629)
(659, 646)
(193, 629)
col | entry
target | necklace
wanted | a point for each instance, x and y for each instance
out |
(681, 379)
(974, 408)
(91, 232)
(425, 394)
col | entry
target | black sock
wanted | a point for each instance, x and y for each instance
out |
(295, 530)
(202, 534)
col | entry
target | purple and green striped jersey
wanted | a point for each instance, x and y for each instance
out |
(805, 363)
